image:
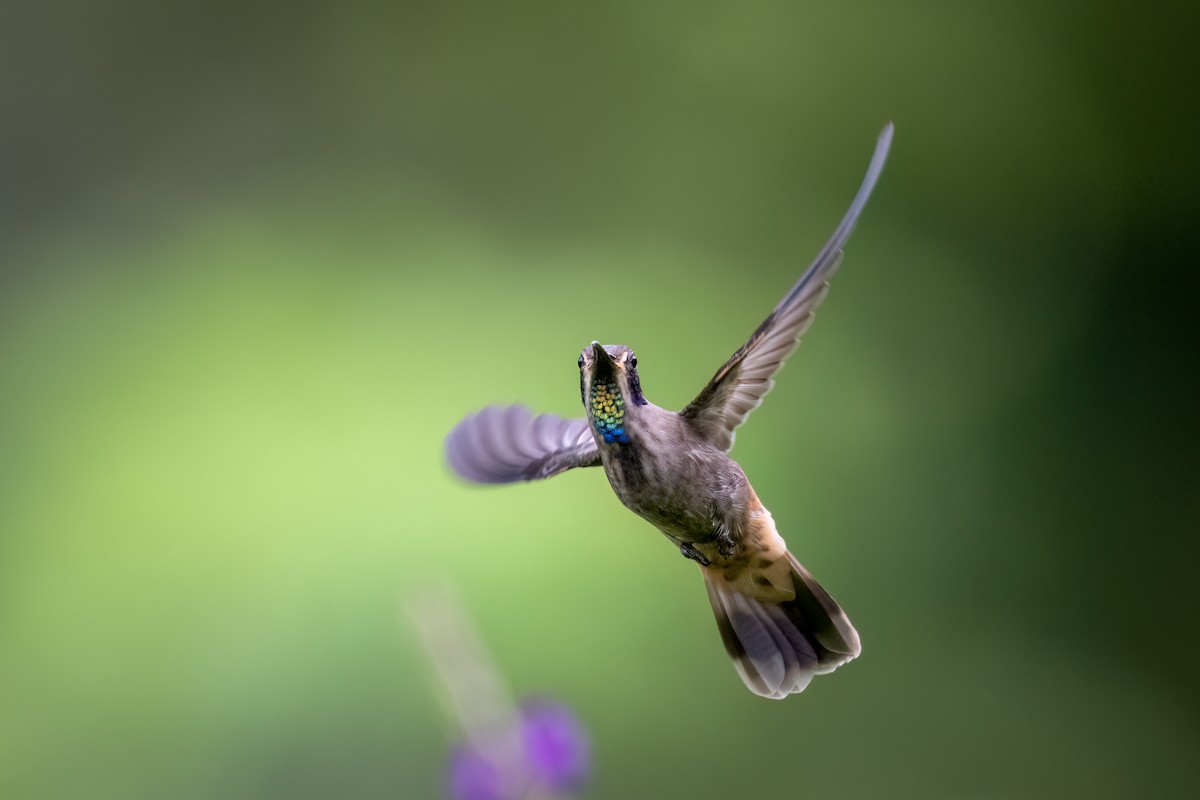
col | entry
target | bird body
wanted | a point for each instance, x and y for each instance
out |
(673, 469)
(681, 484)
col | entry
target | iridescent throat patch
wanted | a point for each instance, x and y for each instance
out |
(608, 412)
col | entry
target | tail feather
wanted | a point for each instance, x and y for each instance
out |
(830, 625)
(779, 638)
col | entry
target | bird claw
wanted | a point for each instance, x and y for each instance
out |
(726, 546)
(695, 555)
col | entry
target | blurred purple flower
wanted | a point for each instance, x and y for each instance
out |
(555, 744)
(553, 757)
(473, 776)
(537, 749)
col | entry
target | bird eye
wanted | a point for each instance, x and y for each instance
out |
(581, 361)
(633, 362)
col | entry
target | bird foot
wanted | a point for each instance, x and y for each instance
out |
(695, 555)
(726, 546)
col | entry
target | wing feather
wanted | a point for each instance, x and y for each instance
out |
(505, 444)
(741, 384)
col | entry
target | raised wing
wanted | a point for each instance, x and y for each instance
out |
(740, 386)
(505, 444)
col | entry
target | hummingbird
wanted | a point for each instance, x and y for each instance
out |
(673, 469)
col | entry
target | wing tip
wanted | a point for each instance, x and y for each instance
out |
(502, 444)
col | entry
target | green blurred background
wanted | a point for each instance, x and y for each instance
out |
(257, 260)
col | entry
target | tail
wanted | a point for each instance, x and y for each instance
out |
(779, 626)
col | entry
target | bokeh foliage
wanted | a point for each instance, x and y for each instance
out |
(256, 261)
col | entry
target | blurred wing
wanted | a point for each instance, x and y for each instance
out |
(505, 444)
(740, 386)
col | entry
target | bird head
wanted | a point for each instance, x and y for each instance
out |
(609, 385)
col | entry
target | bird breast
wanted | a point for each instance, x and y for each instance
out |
(672, 478)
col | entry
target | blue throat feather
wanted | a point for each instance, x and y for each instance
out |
(608, 412)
